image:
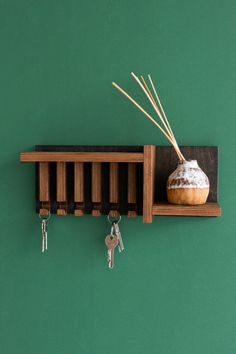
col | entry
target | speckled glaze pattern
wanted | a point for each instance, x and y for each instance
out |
(188, 175)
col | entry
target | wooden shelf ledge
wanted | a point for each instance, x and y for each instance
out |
(81, 157)
(208, 209)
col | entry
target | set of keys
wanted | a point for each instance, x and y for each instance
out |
(44, 231)
(113, 240)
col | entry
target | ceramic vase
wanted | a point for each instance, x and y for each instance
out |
(188, 184)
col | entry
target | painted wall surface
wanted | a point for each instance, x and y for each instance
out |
(173, 290)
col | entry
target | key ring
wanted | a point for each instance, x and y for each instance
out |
(116, 221)
(45, 217)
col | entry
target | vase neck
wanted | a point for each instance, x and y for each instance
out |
(189, 164)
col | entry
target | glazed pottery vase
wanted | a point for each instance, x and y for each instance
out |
(188, 184)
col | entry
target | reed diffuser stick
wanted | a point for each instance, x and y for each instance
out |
(171, 135)
(142, 110)
(158, 113)
(163, 112)
(166, 130)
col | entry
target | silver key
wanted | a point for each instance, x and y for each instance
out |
(119, 237)
(44, 231)
(44, 235)
(111, 242)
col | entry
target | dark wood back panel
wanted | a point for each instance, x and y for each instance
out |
(166, 163)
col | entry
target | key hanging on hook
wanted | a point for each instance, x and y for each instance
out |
(44, 231)
(111, 241)
(119, 237)
(116, 228)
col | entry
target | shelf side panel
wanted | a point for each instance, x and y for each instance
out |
(148, 182)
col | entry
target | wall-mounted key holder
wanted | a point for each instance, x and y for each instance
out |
(116, 180)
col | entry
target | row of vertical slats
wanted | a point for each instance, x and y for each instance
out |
(96, 187)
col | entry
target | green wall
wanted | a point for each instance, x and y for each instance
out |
(173, 290)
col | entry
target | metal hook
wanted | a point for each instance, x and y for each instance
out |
(45, 217)
(111, 221)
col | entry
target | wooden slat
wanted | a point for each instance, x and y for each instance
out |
(44, 193)
(61, 188)
(208, 209)
(132, 198)
(96, 186)
(79, 188)
(61, 182)
(96, 182)
(114, 187)
(79, 182)
(114, 183)
(148, 182)
(81, 157)
(44, 188)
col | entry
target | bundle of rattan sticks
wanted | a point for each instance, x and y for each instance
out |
(156, 103)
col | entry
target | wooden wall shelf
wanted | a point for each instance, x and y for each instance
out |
(165, 209)
(81, 157)
(114, 180)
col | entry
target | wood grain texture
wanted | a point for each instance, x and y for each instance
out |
(96, 182)
(61, 182)
(44, 192)
(81, 157)
(96, 188)
(114, 188)
(61, 189)
(114, 183)
(79, 182)
(79, 188)
(148, 182)
(208, 209)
